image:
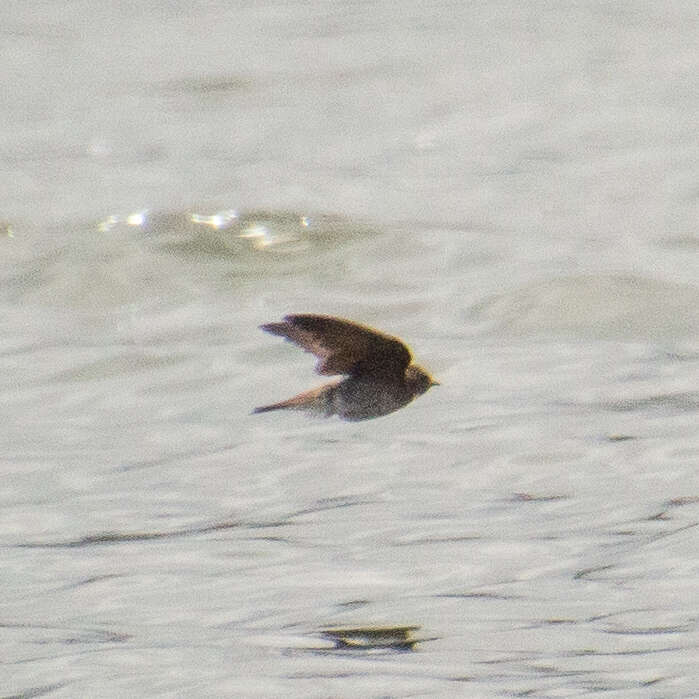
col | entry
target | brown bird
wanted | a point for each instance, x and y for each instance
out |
(379, 375)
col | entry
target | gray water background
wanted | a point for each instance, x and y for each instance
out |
(512, 187)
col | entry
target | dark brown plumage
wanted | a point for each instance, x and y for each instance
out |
(379, 375)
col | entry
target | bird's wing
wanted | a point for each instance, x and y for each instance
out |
(341, 346)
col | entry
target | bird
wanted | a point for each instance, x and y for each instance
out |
(379, 374)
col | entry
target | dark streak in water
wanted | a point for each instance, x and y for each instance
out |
(90, 581)
(651, 631)
(681, 501)
(108, 537)
(124, 537)
(620, 653)
(179, 457)
(529, 497)
(332, 504)
(36, 691)
(438, 540)
(75, 636)
(664, 515)
(683, 402)
(662, 535)
(353, 604)
(476, 595)
(584, 573)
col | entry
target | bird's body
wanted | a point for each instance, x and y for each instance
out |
(379, 375)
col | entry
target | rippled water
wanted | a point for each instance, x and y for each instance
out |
(511, 188)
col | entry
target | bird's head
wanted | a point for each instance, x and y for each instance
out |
(419, 379)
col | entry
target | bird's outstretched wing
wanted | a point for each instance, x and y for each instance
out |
(343, 347)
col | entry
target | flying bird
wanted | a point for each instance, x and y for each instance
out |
(378, 369)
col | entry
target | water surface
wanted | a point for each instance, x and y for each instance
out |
(511, 187)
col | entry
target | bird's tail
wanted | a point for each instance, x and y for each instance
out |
(317, 400)
(274, 406)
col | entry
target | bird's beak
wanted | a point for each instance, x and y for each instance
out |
(435, 383)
